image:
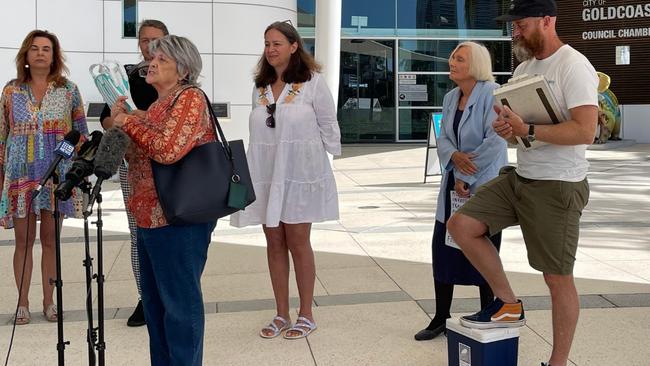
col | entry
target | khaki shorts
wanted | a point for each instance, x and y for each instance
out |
(548, 212)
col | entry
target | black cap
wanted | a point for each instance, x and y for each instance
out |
(520, 9)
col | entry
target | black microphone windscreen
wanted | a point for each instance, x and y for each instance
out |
(86, 148)
(72, 137)
(110, 152)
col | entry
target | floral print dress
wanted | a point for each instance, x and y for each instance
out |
(29, 134)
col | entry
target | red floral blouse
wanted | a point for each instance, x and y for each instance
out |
(166, 134)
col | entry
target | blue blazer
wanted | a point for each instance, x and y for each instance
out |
(476, 135)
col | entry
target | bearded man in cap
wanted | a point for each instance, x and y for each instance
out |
(547, 191)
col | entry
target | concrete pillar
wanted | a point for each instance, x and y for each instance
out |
(328, 42)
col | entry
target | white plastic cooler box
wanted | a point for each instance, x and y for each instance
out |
(481, 347)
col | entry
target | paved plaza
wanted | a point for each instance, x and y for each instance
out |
(374, 286)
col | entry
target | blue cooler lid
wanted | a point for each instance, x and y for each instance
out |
(482, 335)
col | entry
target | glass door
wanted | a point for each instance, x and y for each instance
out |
(367, 91)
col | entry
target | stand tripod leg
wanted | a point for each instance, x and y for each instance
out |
(101, 345)
(99, 276)
(91, 335)
(59, 285)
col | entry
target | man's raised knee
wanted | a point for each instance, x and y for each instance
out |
(453, 224)
(462, 227)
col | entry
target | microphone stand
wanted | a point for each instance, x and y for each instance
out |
(60, 346)
(91, 335)
(99, 276)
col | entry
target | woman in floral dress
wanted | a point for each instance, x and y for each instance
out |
(292, 128)
(37, 109)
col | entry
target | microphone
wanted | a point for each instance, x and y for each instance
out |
(82, 167)
(89, 148)
(109, 156)
(64, 150)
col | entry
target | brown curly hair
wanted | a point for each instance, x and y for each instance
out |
(57, 69)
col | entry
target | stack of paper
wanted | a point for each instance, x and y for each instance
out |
(532, 99)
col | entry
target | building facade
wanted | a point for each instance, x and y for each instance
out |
(393, 59)
(228, 34)
(394, 70)
(615, 36)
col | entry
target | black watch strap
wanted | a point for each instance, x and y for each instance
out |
(531, 133)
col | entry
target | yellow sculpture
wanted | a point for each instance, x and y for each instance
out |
(609, 116)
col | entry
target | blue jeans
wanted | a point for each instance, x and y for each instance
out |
(172, 259)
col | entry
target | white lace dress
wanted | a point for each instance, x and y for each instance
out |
(289, 165)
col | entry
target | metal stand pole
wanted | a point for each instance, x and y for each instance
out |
(60, 346)
(91, 334)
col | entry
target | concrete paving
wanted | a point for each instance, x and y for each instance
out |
(374, 278)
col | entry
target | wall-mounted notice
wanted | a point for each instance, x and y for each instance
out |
(622, 55)
(407, 79)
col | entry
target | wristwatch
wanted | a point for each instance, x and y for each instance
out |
(531, 133)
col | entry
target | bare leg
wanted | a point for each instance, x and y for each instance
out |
(277, 255)
(566, 308)
(23, 254)
(297, 236)
(486, 294)
(469, 233)
(48, 260)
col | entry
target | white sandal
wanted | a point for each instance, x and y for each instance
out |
(51, 313)
(22, 316)
(303, 325)
(284, 324)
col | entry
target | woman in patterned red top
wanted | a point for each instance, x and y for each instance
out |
(37, 109)
(172, 258)
(143, 96)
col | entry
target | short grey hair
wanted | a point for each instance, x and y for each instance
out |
(480, 62)
(184, 52)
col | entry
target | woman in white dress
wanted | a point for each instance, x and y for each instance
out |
(293, 126)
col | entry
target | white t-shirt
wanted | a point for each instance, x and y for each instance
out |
(574, 82)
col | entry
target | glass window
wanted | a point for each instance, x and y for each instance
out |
(307, 13)
(501, 53)
(413, 123)
(425, 55)
(310, 45)
(367, 91)
(368, 18)
(129, 18)
(424, 90)
(472, 18)
(431, 56)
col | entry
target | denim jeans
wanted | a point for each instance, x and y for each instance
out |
(172, 259)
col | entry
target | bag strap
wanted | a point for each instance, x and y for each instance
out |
(216, 127)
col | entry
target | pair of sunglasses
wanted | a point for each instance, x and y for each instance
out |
(270, 121)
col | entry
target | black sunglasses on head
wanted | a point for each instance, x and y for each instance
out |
(270, 121)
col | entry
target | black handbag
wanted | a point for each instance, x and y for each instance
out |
(210, 182)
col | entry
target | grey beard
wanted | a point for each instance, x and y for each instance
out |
(521, 52)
